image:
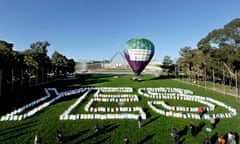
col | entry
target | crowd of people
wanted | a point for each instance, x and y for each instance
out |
(228, 138)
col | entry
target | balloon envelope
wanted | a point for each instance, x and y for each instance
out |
(138, 53)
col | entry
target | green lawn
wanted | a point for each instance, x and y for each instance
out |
(156, 128)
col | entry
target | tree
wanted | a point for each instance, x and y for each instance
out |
(168, 65)
(6, 56)
(40, 47)
(167, 61)
(70, 65)
(5, 45)
(36, 57)
(185, 51)
(222, 48)
(59, 63)
(185, 61)
(192, 62)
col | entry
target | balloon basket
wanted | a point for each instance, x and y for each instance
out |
(136, 79)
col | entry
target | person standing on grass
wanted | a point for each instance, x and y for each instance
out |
(174, 134)
(206, 140)
(221, 140)
(125, 140)
(37, 140)
(59, 137)
(139, 121)
(212, 121)
(193, 128)
(231, 138)
(96, 128)
(200, 111)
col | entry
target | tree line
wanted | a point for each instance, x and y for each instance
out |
(216, 57)
(30, 67)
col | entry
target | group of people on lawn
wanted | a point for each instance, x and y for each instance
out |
(230, 137)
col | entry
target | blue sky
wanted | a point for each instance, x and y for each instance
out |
(97, 29)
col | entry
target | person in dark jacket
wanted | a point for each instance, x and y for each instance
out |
(174, 134)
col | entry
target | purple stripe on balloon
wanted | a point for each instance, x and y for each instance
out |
(137, 66)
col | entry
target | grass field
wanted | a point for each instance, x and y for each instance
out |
(156, 128)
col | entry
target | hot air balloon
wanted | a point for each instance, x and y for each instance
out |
(138, 53)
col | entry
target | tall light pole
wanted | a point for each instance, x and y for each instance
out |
(224, 82)
(213, 80)
(205, 78)
(198, 77)
(236, 84)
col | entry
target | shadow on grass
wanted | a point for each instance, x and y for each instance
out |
(75, 136)
(236, 137)
(103, 130)
(89, 79)
(17, 134)
(214, 137)
(147, 138)
(199, 128)
(155, 78)
(148, 113)
(15, 129)
(183, 132)
(162, 77)
(151, 120)
(102, 141)
(31, 93)
(12, 127)
(107, 128)
(181, 141)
